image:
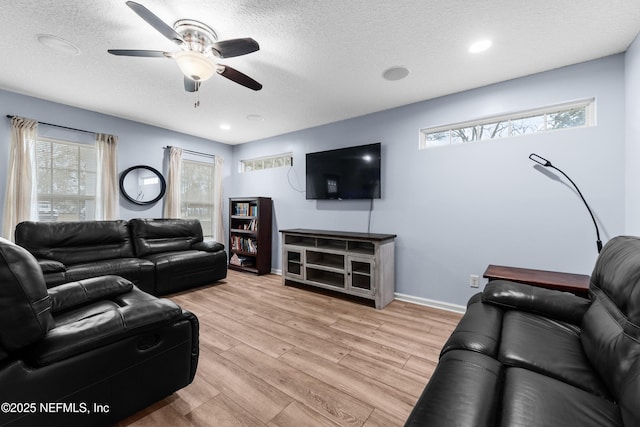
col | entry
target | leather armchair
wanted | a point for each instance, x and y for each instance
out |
(89, 352)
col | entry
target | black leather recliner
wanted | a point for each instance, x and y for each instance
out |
(89, 352)
(528, 357)
(77, 250)
(176, 248)
(159, 256)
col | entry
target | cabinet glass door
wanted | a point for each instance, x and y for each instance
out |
(361, 274)
(293, 264)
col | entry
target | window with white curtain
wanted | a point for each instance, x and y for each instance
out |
(197, 194)
(66, 180)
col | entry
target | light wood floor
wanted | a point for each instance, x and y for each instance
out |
(279, 356)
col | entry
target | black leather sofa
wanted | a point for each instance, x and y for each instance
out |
(85, 353)
(159, 256)
(528, 356)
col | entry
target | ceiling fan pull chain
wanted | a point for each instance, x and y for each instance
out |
(197, 103)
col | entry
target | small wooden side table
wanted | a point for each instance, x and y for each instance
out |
(577, 284)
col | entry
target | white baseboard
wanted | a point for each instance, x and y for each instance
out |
(431, 303)
(415, 300)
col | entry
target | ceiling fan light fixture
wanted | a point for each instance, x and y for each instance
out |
(194, 65)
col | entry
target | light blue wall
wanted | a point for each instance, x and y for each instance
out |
(454, 209)
(137, 143)
(632, 86)
(457, 209)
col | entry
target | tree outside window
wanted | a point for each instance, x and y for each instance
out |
(196, 197)
(66, 180)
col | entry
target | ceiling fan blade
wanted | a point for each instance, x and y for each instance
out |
(140, 53)
(156, 22)
(238, 77)
(191, 85)
(235, 47)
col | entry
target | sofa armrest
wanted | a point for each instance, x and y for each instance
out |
(51, 266)
(73, 294)
(559, 305)
(208, 246)
(105, 328)
(479, 329)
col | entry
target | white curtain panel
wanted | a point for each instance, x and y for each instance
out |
(218, 226)
(107, 177)
(172, 197)
(21, 196)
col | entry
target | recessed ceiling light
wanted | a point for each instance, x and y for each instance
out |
(255, 118)
(395, 73)
(58, 44)
(225, 127)
(480, 46)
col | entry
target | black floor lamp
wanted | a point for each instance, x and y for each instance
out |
(546, 163)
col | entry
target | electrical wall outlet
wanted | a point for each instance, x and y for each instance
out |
(474, 280)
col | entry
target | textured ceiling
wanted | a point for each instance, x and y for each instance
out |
(320, 61)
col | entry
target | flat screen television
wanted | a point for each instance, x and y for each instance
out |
(345, 173)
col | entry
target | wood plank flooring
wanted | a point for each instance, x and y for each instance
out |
(279, 356)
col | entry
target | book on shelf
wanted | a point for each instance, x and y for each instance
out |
(245, 209)
(248, 226)
(244, 244)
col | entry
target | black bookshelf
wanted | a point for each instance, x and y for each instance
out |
(250, 234)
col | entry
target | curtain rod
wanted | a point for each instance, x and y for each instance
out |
(58, 126)
(198, 153)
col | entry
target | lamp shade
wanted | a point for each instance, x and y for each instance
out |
(194, 65)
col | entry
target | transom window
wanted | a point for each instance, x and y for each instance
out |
(269, 162)
(570, 115)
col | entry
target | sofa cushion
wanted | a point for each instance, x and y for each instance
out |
(549, 347)
(25, 307)
(152, 236)
(610, 328)
(630, 396)
(139, 271)
(617, 275)
(75, 242)
(610, 342)
(534, 400)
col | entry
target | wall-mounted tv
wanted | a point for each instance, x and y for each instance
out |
(345, 173)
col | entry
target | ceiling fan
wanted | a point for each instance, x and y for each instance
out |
(199, 45)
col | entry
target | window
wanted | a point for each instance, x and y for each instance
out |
(571, 115)
(66, 180)
(196, 194)
(277, 161)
